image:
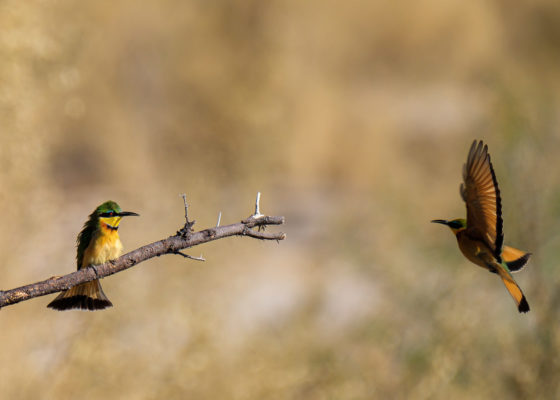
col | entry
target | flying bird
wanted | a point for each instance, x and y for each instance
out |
(480, 236)
(98, 242)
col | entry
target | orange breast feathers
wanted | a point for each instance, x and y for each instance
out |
(104, 246)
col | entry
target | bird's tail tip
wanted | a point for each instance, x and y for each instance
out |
(513, 288)
(86, 296)
(79, 302)
(523, 306)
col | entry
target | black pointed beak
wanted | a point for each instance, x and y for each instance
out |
(440, 221)
(127, 213)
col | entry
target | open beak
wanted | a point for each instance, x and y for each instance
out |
(127, 213)
(440, 221)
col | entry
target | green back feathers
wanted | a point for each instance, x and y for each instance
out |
(91, 226)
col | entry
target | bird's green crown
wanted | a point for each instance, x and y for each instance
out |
(107, 209)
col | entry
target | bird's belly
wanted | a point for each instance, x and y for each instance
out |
(475, 251)
(104, 248)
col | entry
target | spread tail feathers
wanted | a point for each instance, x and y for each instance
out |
(515, 259)
(86, 296)
(513, 289)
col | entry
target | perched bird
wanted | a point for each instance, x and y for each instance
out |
(480, 236)
(98, 242)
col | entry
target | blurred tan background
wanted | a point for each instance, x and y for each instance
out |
(353, 120)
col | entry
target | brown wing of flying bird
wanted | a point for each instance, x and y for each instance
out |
(481, 194)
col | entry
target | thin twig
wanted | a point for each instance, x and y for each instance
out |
(187, 229)
(263, 235)
(219, 219)
(184, 196)
(189, 256)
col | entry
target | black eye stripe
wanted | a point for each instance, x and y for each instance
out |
(107, 214)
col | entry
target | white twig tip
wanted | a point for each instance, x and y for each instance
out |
(257, 213)
(219, 219)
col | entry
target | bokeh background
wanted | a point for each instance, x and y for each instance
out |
(353, 119)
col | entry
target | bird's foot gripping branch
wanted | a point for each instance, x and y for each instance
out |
(185, 238)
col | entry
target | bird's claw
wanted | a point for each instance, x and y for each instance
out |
(94, 267)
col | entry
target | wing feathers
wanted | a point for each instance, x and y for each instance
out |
(482, 196)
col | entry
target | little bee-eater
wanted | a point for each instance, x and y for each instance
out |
(480, 236)
(98, 242)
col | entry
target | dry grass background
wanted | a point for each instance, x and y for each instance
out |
(353, 120)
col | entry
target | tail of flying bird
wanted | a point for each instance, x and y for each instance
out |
(513, 288)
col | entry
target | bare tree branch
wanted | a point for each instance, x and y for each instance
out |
(183, 239)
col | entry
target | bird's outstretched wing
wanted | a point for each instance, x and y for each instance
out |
(481, 194)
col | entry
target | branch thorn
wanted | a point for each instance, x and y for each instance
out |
(219, 219)
(257, 213)
(189, 256)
